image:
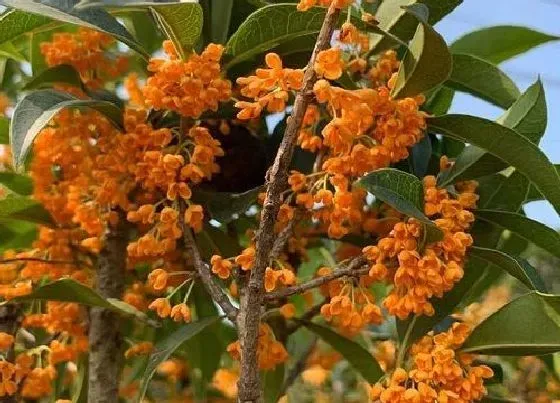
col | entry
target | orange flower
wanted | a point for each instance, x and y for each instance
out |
(220, 266)
(329, 64)
(180, 313)
(194, 216)
(246, 259)
(161, 306)
(288, 311)
(6, 341)
(157, 279)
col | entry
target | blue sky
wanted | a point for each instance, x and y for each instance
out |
(542, 15)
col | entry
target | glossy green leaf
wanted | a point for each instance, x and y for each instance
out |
(165, 348)
(420, 156)
(483, 80)
(527, 116)
(394, 19)
(426, 64)
(61, 74)
(80, 385)
(14, 23)
(18, 183)
(439, 102)
(223, 205)
(517, 267)
(532, 231)
(529, 325)
(36, 109)
(500, 43)
(17, 235)
(402, 191)
(356, 355)
(506, 144)
(68, 290)
(220, 17)
(24, 209)
(64, 10)
(181, 23)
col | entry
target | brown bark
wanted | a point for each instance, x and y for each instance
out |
(105, 338)
(248, 319)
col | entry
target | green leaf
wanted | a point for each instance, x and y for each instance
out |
(20, 184)
(64, 10)
(223, 205)
(25, 209)
(166, 347)
(483, 80)
(181, 23)
(426, 64)
(356, 355)
(402, 191)
(394, 19)
(440, 101)
(517, 267)
(533, 231)
(273, 381)
(4, 130)
(17, 235)
(420, 156)
(68, 290)
(14, 23)
(506, 144)
(500, 43)
(529, 325)
(80, 386)
(220, 19)
(61, 74)
(36, 109)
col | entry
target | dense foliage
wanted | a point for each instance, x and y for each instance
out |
(261, 201)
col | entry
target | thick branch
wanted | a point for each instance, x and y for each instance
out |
(105, 338)
(352, 269)
(248, 319)
(203, 270)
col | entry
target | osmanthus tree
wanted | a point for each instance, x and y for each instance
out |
(212, 200)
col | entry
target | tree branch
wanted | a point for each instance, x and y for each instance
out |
(203, 271)
(248, 319)
(105, 338)
(352, 269)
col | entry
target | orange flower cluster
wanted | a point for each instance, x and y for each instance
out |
(349, 308)
(86, 51)
(269, 88)
(270, 351)
(420, 274)
(35, 383)
(438, 373)
(274, 278)
(305, 5)
(188, 87)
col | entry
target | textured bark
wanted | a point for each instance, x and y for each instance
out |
(9, 323)
(105, 338)
(251, 300)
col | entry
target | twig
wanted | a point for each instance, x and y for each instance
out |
(283, 238)
(353, 268)
(298, 367)
(248, 319)
(203, 270)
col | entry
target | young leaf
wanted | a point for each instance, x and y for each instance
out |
(482, 80)
(402, 191)
(36, 109)
(223, 205)
(182, 23)
(500, 43)
(166, 347)
(20, 184)
(527, 116)
(393, 18)
(506, 144)
(427, 63)
(62, 73)
(356, 355)
(68, 290)
(63, 10)
(529, 325)
(24, 209)
(517, 267)
(533, 231)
